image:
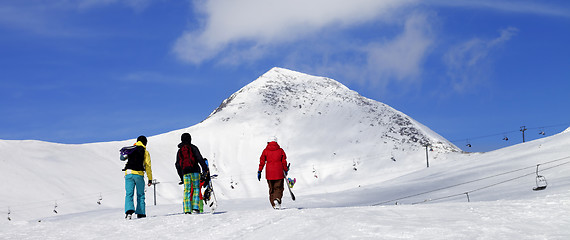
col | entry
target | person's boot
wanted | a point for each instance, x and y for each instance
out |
(129, 214)
(276, 204)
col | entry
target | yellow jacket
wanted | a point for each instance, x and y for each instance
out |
(146, 164)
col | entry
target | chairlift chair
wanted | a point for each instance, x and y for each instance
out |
(540, 181)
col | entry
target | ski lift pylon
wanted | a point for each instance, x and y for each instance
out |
(100, 199)
(540, 181)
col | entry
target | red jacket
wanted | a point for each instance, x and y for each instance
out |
(276, 161)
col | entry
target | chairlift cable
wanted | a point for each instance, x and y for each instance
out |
(476, 180)
(503, 133)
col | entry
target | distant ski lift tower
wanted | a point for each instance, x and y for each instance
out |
(154, 182)
(523, 128)
(427, 158)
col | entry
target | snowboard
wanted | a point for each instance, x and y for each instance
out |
(125, 151)
(288, 185)
(208, 195)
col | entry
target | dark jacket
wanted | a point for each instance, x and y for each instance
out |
(199, 163)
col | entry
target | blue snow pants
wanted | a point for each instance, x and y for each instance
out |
(133, 181)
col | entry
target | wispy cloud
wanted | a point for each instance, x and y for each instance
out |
(155, 77)
(137, 5)
(468, 63)
(30, 18)
(401, 58)
(236, 33)
(548, 8)
(50, 18)
(257, 23)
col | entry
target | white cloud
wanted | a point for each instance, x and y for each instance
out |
(468, 63)
(251, 23)
(402, 57)
(375, 63)
(240, 33)
(243, 32)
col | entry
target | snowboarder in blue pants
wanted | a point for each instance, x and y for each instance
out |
(138, 163)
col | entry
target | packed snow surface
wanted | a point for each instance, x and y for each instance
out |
(544, 217)
(360, 165)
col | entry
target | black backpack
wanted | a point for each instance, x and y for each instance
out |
(134, 156)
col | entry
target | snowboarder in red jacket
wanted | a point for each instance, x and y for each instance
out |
(274, 157)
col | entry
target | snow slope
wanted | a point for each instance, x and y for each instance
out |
(327, 130)
(509, 209)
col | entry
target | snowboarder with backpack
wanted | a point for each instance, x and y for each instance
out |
(138, 162)
(189, 165)
(274, 157)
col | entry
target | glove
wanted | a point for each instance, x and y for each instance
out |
(149, 182)
(258, 175)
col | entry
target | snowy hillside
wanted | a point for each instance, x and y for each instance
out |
(511, 210)
(324, 128)
(355, 161)
(507, 209)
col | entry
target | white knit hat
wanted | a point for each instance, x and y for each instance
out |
(272, 139)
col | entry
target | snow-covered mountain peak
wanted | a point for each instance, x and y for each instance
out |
(281, 89)
(288, 99)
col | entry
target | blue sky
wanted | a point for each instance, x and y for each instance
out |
(79, 71)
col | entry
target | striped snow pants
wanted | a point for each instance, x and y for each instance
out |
(192, 198)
